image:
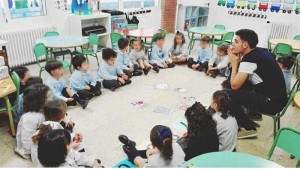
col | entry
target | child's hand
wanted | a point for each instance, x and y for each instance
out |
(151, 152)
(78, 137)
(131, 69)
(69, 99)
(185, 134)
(87, 88)
(125, 77)
(121, 80)
(75, 145)
(195, 66)
(165, 65)
(97, 165)
(71, 123)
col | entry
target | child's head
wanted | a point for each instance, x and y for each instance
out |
(109, 56)
(286, 62)
(220, 102)
(161, 137)
(34, 80)
(23, 73)
(137, 45)
(34, 97)
(160, 40)
(226, 84)
(53, 147)
(179, 39)
(54, 68)
(80, 63)
(204, 42)
(55, 110)
(199, 120)
(123, 44)
(222, 50)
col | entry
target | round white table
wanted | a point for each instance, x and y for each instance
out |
(63, 41)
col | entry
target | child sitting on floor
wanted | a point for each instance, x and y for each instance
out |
(286, 63)
(57, 85)
(55, 114)
(218, 64)
(55, 150)
(178, 52)
(204, 53)
(227, 127)
(24, 74)
(123, 60)
(82, 81)
(34, 99)
(139, 58)
(109, 73)
(164, 153)
(159, 56)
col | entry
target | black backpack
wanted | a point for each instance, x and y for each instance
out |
(133, 20)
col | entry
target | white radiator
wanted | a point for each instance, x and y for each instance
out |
(21, 42)
(279, 31)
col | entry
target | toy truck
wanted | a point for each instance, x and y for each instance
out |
(263, 6)
(251, 5)
(297, 10)
(287, 8)
(230, 4)
(222, 2)
(241, 4)
(275, 7)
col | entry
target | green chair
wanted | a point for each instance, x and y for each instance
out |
(131, 26)
(163, 32)
(282, 49)
(58, 52)
(276, 117)
(114, 37)
(297, 66)
(297, 37)
(226, 39)
(220, 27)
(288, 140)
(192, 39)
(149, 45)
(94, 43)
(13, 107)
(40, 51)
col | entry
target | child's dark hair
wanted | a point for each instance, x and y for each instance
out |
(122, 43)
(180, 35)
(205, 39)
(108, 53)
(223, 48)
(35, 97)
(138, 40)
(222, 99)
(52, 147)
(55, 110)
(249, 36)
(226, 84)
(77, 61)
(20, 70)
(42, 129)
(199, 121)
(34, 80)
(159, 37)
(53, 65)
(286, 61)
(161, 137)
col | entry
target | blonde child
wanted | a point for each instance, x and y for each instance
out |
(218, 64)
(139, 58)
(178, 52)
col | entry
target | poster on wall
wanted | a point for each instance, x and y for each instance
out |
(26, 8)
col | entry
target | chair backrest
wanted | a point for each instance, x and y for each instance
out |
(16, 80)
(228, 37)
(94, 41)
(298, 66)
(297, 37)
(288, 140)
(131, 26)
(163, 32)
(282, 49)
(39, 51)
(188, 31)
(114, 37)
(154, 37)
(220, 27)
(53, 33)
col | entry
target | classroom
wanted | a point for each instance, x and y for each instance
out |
(150, 83)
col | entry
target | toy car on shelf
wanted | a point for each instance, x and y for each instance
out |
(287, 8)
(222, 2)
(275, 7)
(230, 4)
(297, 10)
(251, 6)
(263, 6)
(241, 4)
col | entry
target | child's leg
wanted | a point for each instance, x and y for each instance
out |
(111, 84)
(141, 63)
(146, 64)
(203, 66)
(85, 94)
(96, 89)
(190, 62)
(182, 59)
(129, 74)
(66, 92)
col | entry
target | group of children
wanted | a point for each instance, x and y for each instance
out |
(45, 135)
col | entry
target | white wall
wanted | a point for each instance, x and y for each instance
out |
(219, 15)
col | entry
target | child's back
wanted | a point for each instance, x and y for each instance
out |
(286, 63)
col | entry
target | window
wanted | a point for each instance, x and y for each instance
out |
(109, 4)
(150, 3)
(132, 4)
(25, 8)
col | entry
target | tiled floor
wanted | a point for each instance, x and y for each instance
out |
(113, 114)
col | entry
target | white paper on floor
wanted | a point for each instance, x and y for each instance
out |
(162, 110)
(180, 90)
(162, 86)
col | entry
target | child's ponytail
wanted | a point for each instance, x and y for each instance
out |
(42, 129)
(167, 149)
(222, 99)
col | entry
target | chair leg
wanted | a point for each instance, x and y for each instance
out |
(40, 72)
(278, 124)
(10, 116)
(87, 58)
(97, 60)
(298, 164)
(190, 46)
(274, 129)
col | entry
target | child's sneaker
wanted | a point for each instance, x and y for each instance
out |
(171, 65)
(156, 68)
(213, 75)
(137, 73)
(127, 82)
(146, 71)
(84, 103)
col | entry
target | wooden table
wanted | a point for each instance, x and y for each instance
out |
(140, 33)
(7, 87)
(208, 32)
(297, 99)
(294, 43)
(226, 159)
(3, 44)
